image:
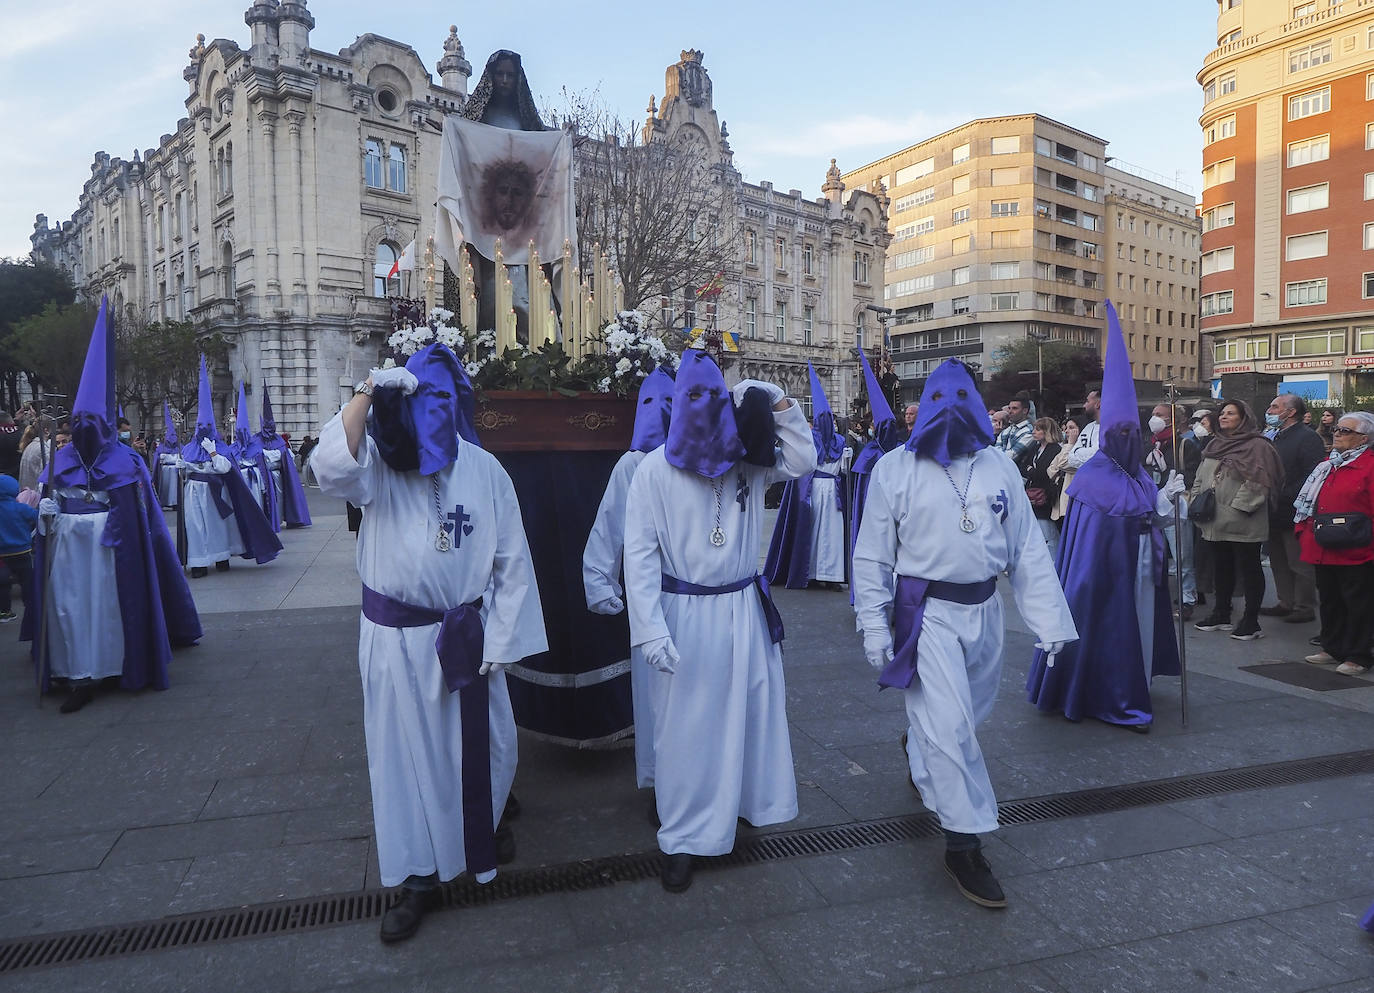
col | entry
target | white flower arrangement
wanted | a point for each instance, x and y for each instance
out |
(633, 352)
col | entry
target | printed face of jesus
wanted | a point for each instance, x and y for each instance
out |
(507, 194)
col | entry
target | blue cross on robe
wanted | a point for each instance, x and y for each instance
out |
(741, 490)
(456, 524)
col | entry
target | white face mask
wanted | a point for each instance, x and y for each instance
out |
(1157, 424)
(1200, 430)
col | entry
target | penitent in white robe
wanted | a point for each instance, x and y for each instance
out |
(911, 528)
(85, 626)
(167, 478)
(601, 561)
(412, 723)
(721, 744)
(827, 528)
(209, 537)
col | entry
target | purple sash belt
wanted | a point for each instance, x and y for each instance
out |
(908, 616)
(671, 584)
(839, 494)
(215, 481)
(75, 505)
(459, 647)
(460, 640)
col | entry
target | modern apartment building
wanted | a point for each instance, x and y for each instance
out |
(997, 234)
(1288, 196)
(1152, 277)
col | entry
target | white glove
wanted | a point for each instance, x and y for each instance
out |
(1164, 501)
(492, 668)
(208, 446)
(610, 605)
(1051, 649)
(397, 377)
(878, 648)
(774, 391)
(661, 653)
(48, 507)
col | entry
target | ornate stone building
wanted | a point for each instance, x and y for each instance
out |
(274, 210)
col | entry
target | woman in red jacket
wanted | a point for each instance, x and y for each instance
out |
(1334, 511)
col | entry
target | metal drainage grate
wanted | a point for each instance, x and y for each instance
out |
(315, 913)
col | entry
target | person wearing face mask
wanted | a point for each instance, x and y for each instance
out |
(1162, 452)
(946, 516)
(704, 619)
(1300, 450)
(1112, 568)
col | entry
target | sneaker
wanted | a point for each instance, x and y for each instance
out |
(6, 616)
(1247, 630)
(1352, 669)
(1315, 641)
(1214, 622)
(972, 874)
(1321, 658)
(1301, 617)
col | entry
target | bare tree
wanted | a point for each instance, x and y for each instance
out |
(661, 211)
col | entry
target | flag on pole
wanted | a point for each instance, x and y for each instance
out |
(406, 261)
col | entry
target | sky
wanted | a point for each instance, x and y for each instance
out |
(798, 83)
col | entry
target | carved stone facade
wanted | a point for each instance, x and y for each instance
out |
(271, 212)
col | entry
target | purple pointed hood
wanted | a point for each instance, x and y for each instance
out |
(702, 437)
(169, 429)
(95, 458)
(246, 444)
(884, 421)
(653, 411)
(421, 431)
(205, 423)
(953, 420)
(829, 445)
(267, 424)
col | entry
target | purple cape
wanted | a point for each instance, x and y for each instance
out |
(292, 493)
(702, 437)
(789, 551)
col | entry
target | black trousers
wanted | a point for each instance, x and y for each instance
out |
(17, 569)
(1238, 557)
(1346, 597)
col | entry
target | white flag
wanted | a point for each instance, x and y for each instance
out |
(513, 185)
(406, 261)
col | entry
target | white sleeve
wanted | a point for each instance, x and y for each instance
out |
(1084, 449)
(643, 563)
(797, 450)
(606, 540)
(1034, 583)
(338, 473)
(515, 616)
(875, 557)
(219, 464)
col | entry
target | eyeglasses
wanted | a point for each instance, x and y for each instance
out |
(1347, 431)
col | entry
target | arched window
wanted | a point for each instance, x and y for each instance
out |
(387, 254)
(396, 177)
(227, 269)
(372, 164)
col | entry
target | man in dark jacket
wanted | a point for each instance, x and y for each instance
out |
(1300, 449)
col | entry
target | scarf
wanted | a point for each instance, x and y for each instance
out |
(1247, 451)
(1155, 460)
(1305, 505)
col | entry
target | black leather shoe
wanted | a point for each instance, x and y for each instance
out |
(972, 874)
(222, 566)
(676, 874)
(199, 572)
(81, 694)
(403, 919)
(505, 845)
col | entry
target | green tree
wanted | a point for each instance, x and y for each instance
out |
(1069, 372)
(162, 361)
(50, 348)
(26, 288)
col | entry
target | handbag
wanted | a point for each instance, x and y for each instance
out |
(1349, 530)
(1203, 507)
(1038, 496)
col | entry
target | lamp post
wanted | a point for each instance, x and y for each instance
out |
(1039, 337)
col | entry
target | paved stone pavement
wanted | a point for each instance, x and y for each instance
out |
(246, 782)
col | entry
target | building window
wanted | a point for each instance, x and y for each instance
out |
(751, 318)
(1090, 251)
(959, 276)
(961, 153)
(1005, 270)
(959, 215)
(751, 247)
(1369, 186)
(915, 171)
(1004, 301)
(372, 166)
(959, 305)
(859, 330)
(396, 175)
(1006, 177)
(1306, 293)
(958, 246)
(1309, 103)
(387, 254)
(924, 226)
(1006, 208)
(1369, 80)
(1309, 56)
(1307, 198)
(1305, 246)
(1368, 137)
(780, 256)
(960, 184)
(905, 260)
(1299, 343)
(1241, 349)
(1364, 339)
(1309, 150)
(781, 315)
(226, 265)
(1369, 235)
(1369, 286)
(808, 257)
(1305, 9)
(1007, 145)
(1222, 302)
(808, 324)
(860, 267)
